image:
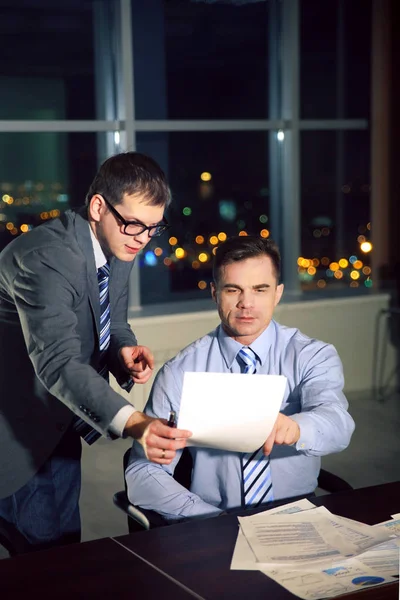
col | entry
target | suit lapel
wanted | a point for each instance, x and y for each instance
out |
(85, 243)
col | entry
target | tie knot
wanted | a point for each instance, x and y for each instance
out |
(248, 359)
(104, 271)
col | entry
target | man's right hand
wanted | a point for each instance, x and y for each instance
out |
(159, 441)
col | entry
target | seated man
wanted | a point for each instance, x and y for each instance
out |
(313, 418)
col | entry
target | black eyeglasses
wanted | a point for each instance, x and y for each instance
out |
(136, 227)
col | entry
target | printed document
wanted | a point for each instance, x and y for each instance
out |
(315, 554)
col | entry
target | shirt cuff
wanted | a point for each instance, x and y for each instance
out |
(118, 423)
(306, 439)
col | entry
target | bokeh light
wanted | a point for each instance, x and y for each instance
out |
(180, 253)
(366, 247)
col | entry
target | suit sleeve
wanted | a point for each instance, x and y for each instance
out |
(325, 424)
(46, 292)
(152, 486)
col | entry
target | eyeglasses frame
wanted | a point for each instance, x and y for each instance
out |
(164, 223)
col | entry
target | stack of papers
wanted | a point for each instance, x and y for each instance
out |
(315, 554)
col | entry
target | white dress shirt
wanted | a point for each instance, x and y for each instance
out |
(118, 423)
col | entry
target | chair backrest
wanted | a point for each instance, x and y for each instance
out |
(332, 483)
(183, 470)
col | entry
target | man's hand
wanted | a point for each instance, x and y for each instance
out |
(159, 441)
(138, 361)
(285, 431)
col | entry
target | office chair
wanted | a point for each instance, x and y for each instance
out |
(332, 483)
(387, 328)
(12, 540)
(139, 518)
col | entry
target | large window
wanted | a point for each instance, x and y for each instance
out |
(335, 218)
(47, 60)
(258, 111)
(212, 199)
(42, 174)
(335, 64)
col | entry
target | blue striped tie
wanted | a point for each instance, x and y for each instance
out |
(256, 468)
(85, 430)
(103, 276)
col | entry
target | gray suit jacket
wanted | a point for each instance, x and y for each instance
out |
(49, 340)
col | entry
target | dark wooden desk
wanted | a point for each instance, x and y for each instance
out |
(198, 553)
(99, 569)
(181, 562)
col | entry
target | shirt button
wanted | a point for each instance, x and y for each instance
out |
(302, 445)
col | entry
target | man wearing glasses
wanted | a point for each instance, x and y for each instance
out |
(63, 328)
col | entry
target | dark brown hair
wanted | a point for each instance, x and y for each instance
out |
(131, 173)
(239, 248)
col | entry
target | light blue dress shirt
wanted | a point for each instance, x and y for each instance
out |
(313, 398)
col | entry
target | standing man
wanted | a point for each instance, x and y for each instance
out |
(313, 418)
(63, 327)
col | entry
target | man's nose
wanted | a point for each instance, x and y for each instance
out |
(245, 299)
(143, 237)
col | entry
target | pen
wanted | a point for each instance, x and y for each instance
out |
(172, 419)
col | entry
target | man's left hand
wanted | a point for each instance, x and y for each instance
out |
(138, 361)
(285, 431)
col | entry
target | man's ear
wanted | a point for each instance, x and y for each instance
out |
(278, 293)
(213, 291)
(96, 208)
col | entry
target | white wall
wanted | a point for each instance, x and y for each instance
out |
(348, 323)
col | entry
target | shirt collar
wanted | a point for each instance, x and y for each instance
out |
(99, 256)
(261, 346)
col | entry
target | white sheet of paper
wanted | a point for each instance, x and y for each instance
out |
(230, 411)
(340, 578)
(361, 535)
(393, 526)
(290, 539)
(384, 558)
(243, 556)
